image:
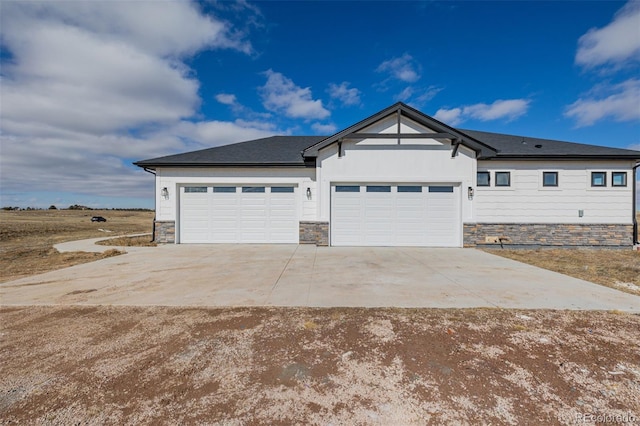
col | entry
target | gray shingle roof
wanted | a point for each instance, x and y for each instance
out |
(511, 146)
(288, 150)
(272, 151)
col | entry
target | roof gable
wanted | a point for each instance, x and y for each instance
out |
(440, 131)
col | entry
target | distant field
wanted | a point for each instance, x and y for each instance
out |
(27, 237)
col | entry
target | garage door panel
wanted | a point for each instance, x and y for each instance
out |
(239, 214)
(398, 215)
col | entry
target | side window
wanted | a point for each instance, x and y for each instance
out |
(503, 178)
(483, 179)
(549, 178)
(598, 179)
(619, 178)
(347, 188)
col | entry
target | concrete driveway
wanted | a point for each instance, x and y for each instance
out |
(304, 275)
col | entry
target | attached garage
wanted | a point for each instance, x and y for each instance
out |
(395, 215)
(238, 214)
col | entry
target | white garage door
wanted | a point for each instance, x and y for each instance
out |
(238, 214)
(395, 215)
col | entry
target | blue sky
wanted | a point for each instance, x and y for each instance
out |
(89, 87)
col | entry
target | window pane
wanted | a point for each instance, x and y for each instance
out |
(195, 189)
(550, 178)
(619, 178)
(409, 188)
(503, 178)
(224, 189)
(598, 179)
(347, 188)
(253, 189)
(378, 188)
(281, 189)
(441, 189)
(483, 178)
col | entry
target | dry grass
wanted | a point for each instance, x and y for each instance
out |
(140, 241)
(27, 237)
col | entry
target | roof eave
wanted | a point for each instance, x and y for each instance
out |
(560, 157)
(191, 165)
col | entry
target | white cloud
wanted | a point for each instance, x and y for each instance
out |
(226, 99)
(89, 86)
(404, 68)
(342, 92)
(324, 129)
(418, 96)
(452, 116)
(509, 109)
(615, 43)
(620, 102)
(281, 94)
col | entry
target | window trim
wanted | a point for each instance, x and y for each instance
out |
(488, 174)
(508, 179)
(624, 179)
(557, 179)
(604, 182)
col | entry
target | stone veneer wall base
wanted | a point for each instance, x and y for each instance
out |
(164, 231)
(548, 235)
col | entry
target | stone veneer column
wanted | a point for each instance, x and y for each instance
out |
(165, 231)
(312, 232)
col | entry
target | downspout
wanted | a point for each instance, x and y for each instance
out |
(636, 240)
(155, 205)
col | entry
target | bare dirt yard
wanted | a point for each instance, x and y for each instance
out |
(105, 365)
(27, 237)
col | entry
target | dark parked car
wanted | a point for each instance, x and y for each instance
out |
(98, 219)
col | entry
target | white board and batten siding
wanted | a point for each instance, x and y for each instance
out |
(238, 214)
(527, 200)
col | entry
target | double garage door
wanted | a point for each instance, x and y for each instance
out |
(238, 214)
(395, 215)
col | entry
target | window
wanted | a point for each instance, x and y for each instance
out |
(483, 178)
(598, 178)
(224, 189)
(253, 189)
(441, 189)
(503, 178)
(409, 188)
(188, 189)
(378, 188)
(619, 178)
(347, 188)
(549, 178)
(281, 189)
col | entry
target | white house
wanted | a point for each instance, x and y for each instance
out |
(398, 178)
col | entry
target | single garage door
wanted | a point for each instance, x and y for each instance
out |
(395, 215)
(238, 214)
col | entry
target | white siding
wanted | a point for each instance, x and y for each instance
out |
(528, 201)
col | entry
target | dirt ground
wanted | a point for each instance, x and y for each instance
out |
(107, 365)
(27, 237)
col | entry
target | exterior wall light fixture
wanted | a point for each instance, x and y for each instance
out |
(165, 193)
(470, 192)
(308, 193)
